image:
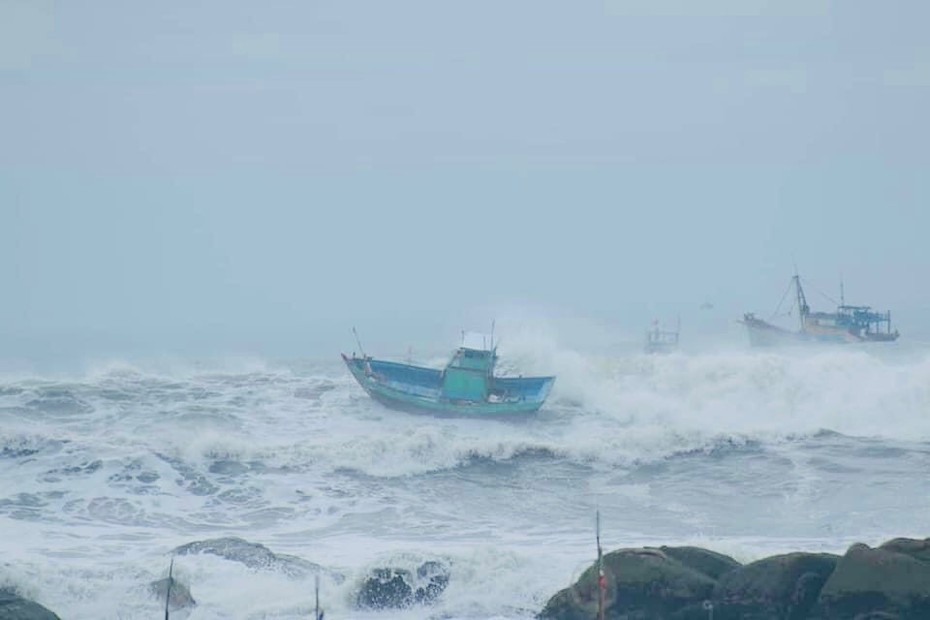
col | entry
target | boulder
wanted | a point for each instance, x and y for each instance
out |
(781, 587)
(15, 607)
(669, 582)
(916, 548)
(398, 588)
(890, 581)
(711, 563)
(255, 556)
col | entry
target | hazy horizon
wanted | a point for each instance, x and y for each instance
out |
(223, 178)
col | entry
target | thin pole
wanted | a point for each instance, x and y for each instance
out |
(358, 342)
(168, 589)
(316, 612)
(601, 580)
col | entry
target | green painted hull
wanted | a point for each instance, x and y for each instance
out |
(405, 400)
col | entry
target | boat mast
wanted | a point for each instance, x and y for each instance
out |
(803, 308)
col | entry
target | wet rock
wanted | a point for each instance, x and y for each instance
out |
(255, 556)
(890, 581)
(15, 607)
(398, 588)
(710, 563)
(432, 579)
(385, 588)
(641, 584)
(916, 548)
(781, 587)
(180, 596)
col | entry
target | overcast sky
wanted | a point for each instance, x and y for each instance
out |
(205, 177)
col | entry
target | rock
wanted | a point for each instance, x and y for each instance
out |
(385, 588)
(398, 588)
(893, 579)
(781, 587)
(15, 607)
(432, 579)
(917, 549)
(890, 582)
(710, 563)
(256, 556)
(180, 597)
(641, 584)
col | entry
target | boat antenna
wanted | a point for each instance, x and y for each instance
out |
(492, 334)
(358, 342)
(601, 580)
(842, 292)
(168, 589)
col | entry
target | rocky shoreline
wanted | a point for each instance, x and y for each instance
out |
(888, 582)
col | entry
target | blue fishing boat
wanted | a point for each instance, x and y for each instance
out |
(466, 386)
(848, 324)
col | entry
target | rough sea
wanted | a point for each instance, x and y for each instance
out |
(105, 470)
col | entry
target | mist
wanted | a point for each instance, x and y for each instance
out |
(226, 179)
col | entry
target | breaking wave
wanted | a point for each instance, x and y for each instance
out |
(610, 411)
(125, 462)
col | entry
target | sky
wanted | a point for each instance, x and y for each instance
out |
(202, 178)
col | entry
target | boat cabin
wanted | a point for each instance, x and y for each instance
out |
(661, 341)
(860, 321)
(468, 375)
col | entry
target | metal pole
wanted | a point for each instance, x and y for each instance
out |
(168, 589)
(601, 580)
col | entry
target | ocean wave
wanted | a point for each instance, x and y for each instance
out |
(105, 472)
(613, 411)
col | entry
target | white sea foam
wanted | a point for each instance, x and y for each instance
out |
(748, 453)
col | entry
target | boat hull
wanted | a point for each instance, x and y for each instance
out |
(421, 393)
(763, 334)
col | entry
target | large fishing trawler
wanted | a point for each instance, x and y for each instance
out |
(847, 324)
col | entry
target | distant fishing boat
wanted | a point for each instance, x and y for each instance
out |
(466, 386)
(662, 340)
(848, 324)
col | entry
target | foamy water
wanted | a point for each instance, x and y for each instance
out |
(103, 472)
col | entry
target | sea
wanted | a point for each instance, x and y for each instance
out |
(105, 469)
